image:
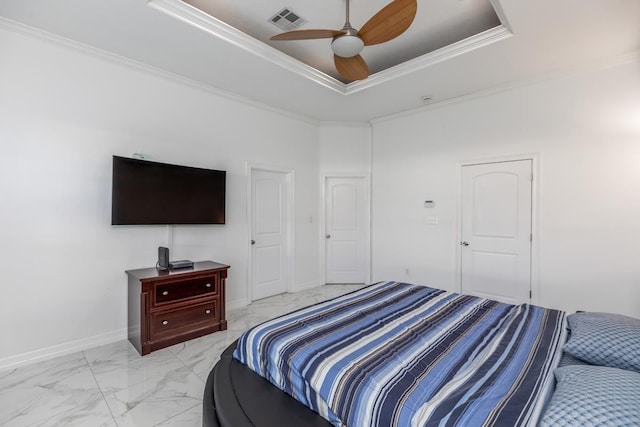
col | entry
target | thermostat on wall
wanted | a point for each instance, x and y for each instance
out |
(429, 204)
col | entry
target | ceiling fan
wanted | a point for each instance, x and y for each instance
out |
(391, 21)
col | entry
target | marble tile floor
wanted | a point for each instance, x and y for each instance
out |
(113, 385)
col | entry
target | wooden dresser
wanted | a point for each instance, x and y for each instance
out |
(169, 307)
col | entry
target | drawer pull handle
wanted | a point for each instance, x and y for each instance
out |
(165, 293)
(165, 322)
(207, 311)
(208, 285)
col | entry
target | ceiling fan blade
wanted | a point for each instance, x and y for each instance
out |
(353, 68)
(307, 35)
(389, 22)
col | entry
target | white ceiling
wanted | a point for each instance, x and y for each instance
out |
(537, 39)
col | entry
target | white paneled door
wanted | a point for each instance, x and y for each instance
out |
(269, 229)
(496, 230)
(346, 230)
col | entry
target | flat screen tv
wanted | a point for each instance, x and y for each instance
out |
(146, 192)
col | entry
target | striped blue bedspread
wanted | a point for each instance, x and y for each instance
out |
(396, 354)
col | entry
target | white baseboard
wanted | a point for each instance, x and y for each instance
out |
(307, 285)
(70, 347)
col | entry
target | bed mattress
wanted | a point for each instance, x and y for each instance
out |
(397, 354)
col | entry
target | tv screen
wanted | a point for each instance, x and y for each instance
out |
(146, 192)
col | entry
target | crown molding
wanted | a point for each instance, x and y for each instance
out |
(196, 17)
(18, 27)
(335, 124)
(469, 44)
(585, 68)
(502, 17)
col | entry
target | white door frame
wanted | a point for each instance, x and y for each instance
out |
(367, 203)
(535, 241)
(290, 253)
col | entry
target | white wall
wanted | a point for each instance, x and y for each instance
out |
(344, 148)
(63, 114)
(586, 131)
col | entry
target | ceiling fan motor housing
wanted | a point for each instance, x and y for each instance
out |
(347, 45)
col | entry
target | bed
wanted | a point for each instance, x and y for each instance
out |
(391, 354)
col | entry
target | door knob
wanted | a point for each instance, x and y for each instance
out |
(253, 242)
(328, 236)
(464, 243)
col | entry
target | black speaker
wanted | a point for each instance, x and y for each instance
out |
(163, 258)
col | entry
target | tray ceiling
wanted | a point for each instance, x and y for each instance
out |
(438, 23)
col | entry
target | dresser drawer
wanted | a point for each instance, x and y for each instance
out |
(172, 321)
(171, 292)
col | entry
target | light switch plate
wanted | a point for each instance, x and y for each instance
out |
(432, 220)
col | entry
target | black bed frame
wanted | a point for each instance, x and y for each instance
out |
(235, 396)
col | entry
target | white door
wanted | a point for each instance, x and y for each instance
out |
(269, 228)
(496, 231)
(346, 230)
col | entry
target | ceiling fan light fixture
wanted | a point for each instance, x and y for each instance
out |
(347, 45)
(387, 24)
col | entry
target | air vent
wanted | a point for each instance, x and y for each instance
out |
(287, 20)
